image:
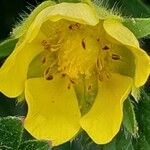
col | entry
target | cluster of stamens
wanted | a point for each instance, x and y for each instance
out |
(54, 46)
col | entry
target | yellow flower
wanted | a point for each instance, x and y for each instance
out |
(65, 44)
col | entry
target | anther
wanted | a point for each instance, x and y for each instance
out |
(69, 86)
(46, 44)
(43, 60)
(63, 74)
(116, 57)
(89, 87)
(83, 44)
(74, 26)
(98, 40)
(106, 48)
(73, 82)
(50, 77)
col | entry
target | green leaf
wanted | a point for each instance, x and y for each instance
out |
(131, 8)
(141, 143)
(123, 141)
(143, 116)
(139, 26)
(34, 145)
(129, 120)
(7, 106)
(10, 132)
(7, 46)
(11, 136)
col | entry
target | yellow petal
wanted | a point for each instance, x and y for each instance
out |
(119, 32)
(103, 121)
(13, 72)
(53, 112)
(123, 36)
(142, 66)
(77, 12)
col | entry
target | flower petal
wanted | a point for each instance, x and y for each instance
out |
(103, 121)
(13, 72)
(122, 35)
(77, 12)
(53, 112)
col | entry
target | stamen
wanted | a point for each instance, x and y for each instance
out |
(49, 77)
(98, 40)
(89, 87)
(106, 48)
(100, 77)
(46, 44)
(116, 57)
(63, 75)
(83, 44)
(73, 82)
(69, 86)
(44, 60)
(74, 26)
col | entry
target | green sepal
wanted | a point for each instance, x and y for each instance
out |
(143, 118)
(139, 26)
(129, 119)
(7, 46)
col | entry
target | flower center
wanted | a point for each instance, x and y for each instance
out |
(75, 50)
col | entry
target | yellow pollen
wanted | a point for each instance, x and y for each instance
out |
(76, 50)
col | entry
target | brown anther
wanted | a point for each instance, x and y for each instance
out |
(63, 75)
(69, 86)
(50, 77)
(101, 78)
(44, 42)
(115, 57)
(83, 44)
(106, 48)
(47, 47)
(43, 60)
(73, 82)
(98, 40)
(74, 26)
(97, 62)
(89, 87)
